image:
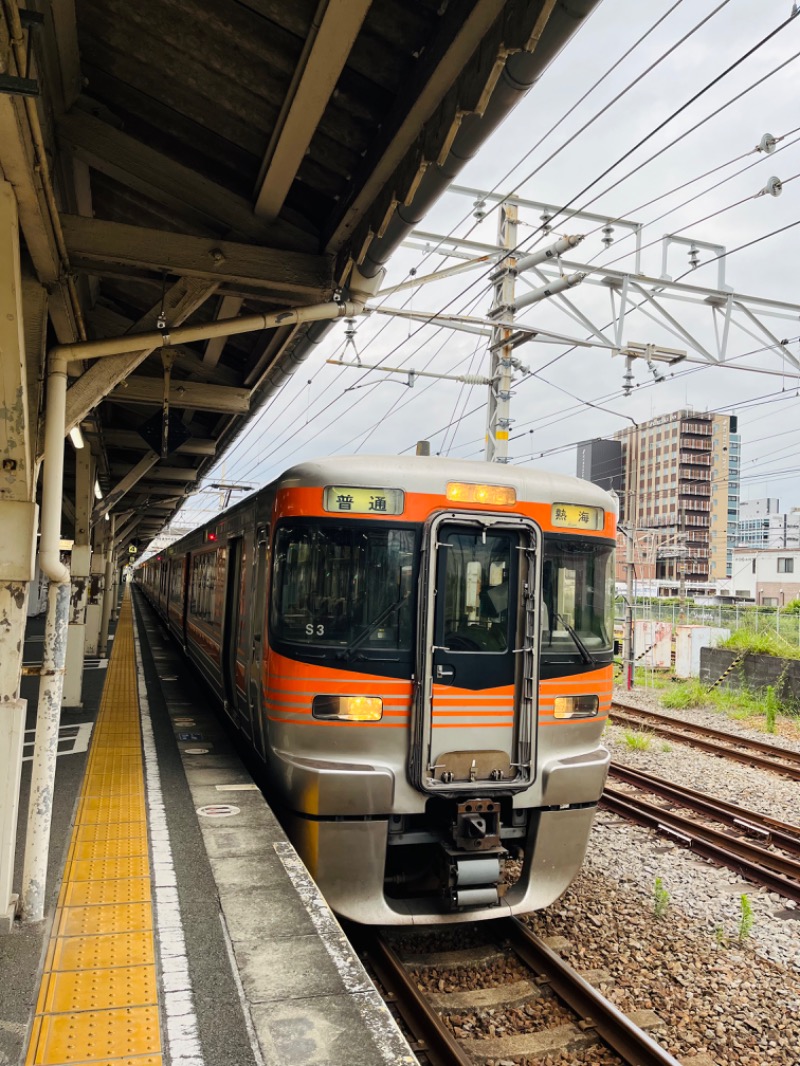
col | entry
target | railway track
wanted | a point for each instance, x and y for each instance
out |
(546, 974)
(773, 861)
(715, 741)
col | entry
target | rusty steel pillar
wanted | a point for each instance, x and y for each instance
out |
(109, 588)
(43, 774)
(18, 521)
(79, 570)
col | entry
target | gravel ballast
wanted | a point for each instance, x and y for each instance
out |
(724, 992)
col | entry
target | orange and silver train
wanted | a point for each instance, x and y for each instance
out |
(419, 653)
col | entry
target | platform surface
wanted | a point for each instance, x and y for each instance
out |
(182, 927)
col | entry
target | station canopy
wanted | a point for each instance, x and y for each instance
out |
(188, 160)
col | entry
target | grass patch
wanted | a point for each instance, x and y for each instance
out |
(636, 740)
(660, 898)
(739, 704)
(765, 641)
(656, 679)
(686, 694)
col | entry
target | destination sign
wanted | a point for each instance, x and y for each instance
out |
(351, 500)
(575, 516)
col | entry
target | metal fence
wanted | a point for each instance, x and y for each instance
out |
(758, 619)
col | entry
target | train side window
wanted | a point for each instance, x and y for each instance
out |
(344, 584)
(578, 590)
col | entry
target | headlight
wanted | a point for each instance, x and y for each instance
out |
(575, 706)
(348, 708)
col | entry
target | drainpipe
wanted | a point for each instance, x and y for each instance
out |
(226, 327)
(54, 654)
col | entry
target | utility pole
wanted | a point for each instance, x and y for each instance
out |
(497, 416)
(627, 643)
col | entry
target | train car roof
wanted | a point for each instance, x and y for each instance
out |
(430, 474)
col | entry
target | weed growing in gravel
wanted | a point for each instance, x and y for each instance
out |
(771, 706)
(637, 741)
(738, 704)
(643, 677)
(746, 918)
(766, 641)
(666, 746)
(686, 694)
(719, 936)
(660, 898)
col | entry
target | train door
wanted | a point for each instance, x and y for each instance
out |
(232, 674)
(184, 603)
(258, 652)
(477, 694)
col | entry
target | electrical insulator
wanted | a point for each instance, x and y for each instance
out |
(479, 211)
(767, 144)
(694, 257)
(627, 377)
(651, 366)
(608, 236)
(774, 187)
(545, 220)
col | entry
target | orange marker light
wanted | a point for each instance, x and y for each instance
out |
(348, 708)
(498, 495)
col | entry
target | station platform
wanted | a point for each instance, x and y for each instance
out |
(182, 928)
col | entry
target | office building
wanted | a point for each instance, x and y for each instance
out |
(680, 484)
(762, 524)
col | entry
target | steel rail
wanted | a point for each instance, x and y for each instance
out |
(695, 736)
(761, 866)
(612, 1026)
(709, 731)
(781, 834)
(431, 1036)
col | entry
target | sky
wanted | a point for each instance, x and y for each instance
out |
(333, 410)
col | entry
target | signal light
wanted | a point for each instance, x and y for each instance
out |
(210, 535)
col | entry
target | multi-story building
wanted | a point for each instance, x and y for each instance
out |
(770, 576)
(680, 482)
(762, 524)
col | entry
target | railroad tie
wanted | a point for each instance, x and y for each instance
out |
(736, 662)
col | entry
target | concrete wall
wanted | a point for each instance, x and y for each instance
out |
(756, 672)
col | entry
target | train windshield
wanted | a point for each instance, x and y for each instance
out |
(578, 588)
(349, 587)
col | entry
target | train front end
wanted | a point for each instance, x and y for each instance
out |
(439, 674)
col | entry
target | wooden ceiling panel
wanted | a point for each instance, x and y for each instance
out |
(285, 124)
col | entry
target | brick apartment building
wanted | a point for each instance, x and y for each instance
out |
(677, 477)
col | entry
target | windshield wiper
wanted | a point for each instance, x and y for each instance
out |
(346, 652)
(586, 655)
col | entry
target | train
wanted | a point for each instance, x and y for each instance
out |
(418, 654)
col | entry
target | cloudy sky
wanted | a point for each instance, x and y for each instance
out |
(332, 410)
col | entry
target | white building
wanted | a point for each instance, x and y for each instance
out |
(770, 576)
(762, 524)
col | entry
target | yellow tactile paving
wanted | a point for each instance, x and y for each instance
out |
(128, 986)
(124, 847)
(90, 1035)
(81, 893)
(101, 952)
(98, 1001)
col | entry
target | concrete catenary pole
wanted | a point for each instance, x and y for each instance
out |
(497, 415)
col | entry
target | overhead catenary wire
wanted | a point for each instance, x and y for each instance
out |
(559, 122)
(668, 119)
(577, 408)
